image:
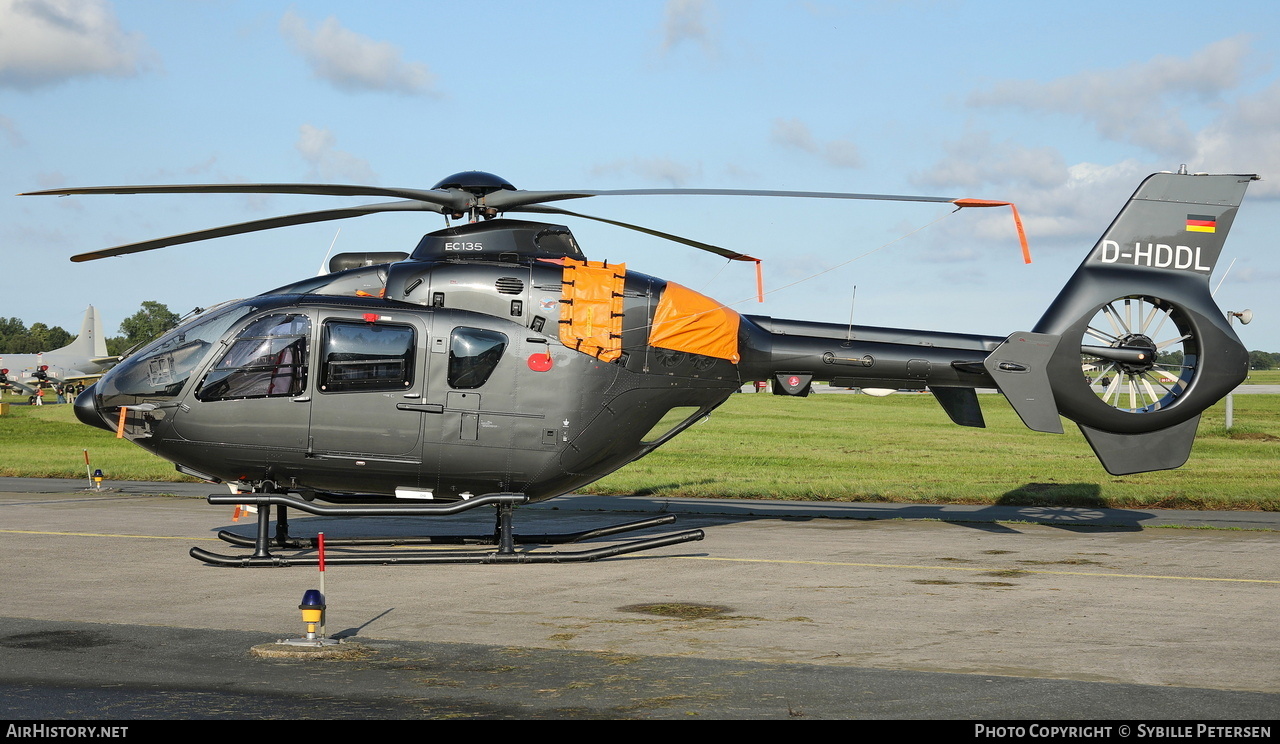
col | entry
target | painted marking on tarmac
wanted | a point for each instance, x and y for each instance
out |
(987, 569)
(970, 569)
(103, 534)
(435, 548)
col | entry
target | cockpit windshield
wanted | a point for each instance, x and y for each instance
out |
(161, 369)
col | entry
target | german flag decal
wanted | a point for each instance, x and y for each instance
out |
(1202, 223)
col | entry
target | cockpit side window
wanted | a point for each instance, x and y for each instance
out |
(473, 356)
(265, 360)
(366, 356)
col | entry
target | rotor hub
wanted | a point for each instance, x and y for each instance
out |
(1138, 341)
(476, 183)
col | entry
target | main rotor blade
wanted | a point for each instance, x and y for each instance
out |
(504, 200)
(460, 200)
(733, 255)
(256, 225)
(456, 199)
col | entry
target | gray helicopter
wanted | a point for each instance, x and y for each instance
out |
(494, 365)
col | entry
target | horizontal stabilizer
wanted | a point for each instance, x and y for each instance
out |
(961, 404)
(1125, 454)
(1020, 368)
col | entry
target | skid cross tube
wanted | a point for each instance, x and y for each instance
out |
(264, 502)
(367, 510)
(476, 557)
(311, 543)
(503, 537)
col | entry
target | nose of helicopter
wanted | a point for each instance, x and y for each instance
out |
(87, 409)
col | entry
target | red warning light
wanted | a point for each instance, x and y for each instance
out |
(371, 317)
(540, 362)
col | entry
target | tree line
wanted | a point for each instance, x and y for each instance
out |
(150, 321)
(1264, 360)
(1257, 359)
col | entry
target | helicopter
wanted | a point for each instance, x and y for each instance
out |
(495, 365)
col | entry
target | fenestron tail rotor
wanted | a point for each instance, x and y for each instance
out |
(1142, 353)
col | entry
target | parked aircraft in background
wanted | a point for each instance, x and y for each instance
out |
(82, 360)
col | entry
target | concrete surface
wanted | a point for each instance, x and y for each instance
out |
(889, 614)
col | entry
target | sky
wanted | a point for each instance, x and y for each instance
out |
(1061, 108)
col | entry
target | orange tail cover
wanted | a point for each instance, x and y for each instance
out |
(591, 308)
(692, 322)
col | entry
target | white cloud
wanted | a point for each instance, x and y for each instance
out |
(664, 170)
(1138, 104)
(822, 10)
(319, 148)
(1083, 204)
(842, 154)
(45, 42)
(1254, 275)
(795, 134)
(1245, 139)
(1059, 203)
(354, 62)
(52, 180)
(11, 132)
(686, 21)
(975, 162)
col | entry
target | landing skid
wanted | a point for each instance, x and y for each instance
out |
(503, 536)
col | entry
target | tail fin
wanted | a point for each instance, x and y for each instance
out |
(1138, 321)
(91, 343)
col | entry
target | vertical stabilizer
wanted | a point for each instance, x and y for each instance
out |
(91, 343)
(1142, 347)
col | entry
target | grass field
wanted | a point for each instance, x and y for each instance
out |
(901, 448)
(904, 449)
(1263, 377)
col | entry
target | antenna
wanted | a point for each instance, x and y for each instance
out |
(1214, 293)
(852, 300)
(324, 265)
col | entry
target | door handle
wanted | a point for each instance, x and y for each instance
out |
(421, 407)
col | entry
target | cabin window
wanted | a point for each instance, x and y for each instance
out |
(267, 359)
(473, 356)
(366, 356)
